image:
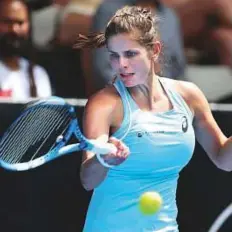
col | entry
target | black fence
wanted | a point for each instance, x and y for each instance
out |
(51, 199)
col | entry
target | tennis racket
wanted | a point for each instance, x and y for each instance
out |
(41, 133)
(221, 219)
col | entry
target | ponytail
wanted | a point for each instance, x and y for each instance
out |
(94, 40)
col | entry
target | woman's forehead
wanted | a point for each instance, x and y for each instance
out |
(123, 42)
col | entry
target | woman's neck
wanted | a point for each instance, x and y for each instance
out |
(152, 91)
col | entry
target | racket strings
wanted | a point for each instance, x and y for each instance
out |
(21, 123)
(32, 135)
(61, 121)
(13, 138)
(41, 131)
(12, 142)
(40, 145)
(26, 136)
(21, 136)
(57, 125)
(35, 133)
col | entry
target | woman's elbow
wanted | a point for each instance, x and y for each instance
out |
(87, 186)
(86, 183)
(223, 165)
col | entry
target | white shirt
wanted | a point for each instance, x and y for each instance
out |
(16, 82)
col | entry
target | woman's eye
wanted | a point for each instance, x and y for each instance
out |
(130, 54)
(114, 56)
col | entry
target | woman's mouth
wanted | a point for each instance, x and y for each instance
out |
(126, 75)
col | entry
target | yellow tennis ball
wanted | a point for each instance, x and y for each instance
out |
(150, 203)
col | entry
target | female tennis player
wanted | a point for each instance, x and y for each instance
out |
(152, 120)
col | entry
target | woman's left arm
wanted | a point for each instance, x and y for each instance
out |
(217, 146)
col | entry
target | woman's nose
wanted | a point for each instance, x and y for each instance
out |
(123, 62)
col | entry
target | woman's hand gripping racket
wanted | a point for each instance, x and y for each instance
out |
(41, 133)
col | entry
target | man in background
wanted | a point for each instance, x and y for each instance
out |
(20, 78)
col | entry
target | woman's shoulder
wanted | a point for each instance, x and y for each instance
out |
(184, 88)
(107, 97)
(189, 91)
(108, 92)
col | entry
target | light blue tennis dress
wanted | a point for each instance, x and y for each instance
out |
(160, 144)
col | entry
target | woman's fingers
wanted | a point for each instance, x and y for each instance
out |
(121, 154)
(122, 149)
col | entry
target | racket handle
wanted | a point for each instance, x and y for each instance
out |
(69, 149)
(98, 147)
(102, 148)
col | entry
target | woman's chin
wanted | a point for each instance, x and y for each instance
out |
(129, 84)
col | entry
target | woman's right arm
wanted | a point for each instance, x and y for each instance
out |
(97, 120)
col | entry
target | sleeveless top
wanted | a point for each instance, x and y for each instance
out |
(161, 145)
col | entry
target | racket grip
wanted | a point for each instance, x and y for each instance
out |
(103, 148)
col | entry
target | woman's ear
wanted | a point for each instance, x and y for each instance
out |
(156, 50)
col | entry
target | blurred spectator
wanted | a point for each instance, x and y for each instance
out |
(75, 18)
(65, 65)
(20, 78)
(63, 19)
(44, 22)
(207, 28)
(221, 44)
(171, 36)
